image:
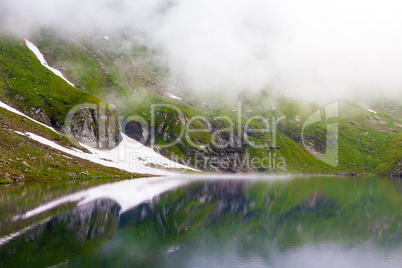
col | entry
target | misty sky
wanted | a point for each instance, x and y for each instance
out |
(305, 48)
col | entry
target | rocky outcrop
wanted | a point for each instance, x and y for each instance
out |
(222, 153)
(94, 128)
(40, 115)
(83, 127)
(398, 169)
(215, 151)
(137, 131)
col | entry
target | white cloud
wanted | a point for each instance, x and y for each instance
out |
(301, 47)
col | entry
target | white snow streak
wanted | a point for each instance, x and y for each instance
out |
(11, 109)
(173, 96)
(42, 60)
(130, 155)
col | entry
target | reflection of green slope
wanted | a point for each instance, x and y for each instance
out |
(262, 218)
(62, 237)
(17, 199)
(254, 218)
(341, 203)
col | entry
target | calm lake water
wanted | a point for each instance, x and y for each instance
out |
(203, 221)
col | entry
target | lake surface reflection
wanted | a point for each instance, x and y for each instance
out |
(204, 221)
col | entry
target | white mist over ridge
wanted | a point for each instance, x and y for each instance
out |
(303, 48)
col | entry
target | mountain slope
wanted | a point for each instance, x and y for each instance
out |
(30, 150)
(22, 158)
(126, 74)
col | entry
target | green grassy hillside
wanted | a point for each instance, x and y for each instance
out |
(25, 84)
(125, 73)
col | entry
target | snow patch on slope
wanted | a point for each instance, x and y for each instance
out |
(128, 156)
(371, 111)
(174, 96)
(11, 109)
(42, 60)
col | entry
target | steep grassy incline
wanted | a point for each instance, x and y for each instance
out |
(22, 158)
(32, 88)
(28, 86)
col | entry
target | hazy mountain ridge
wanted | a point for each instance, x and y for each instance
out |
(128, 75)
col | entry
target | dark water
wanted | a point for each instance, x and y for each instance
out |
(189, 221)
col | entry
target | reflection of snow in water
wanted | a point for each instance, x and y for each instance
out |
(127, 194)
(131, 193)
(8, 238)
(172, 249)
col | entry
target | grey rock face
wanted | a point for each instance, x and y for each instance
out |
(99, 130)
(398, 169)
(135, 130)
(40, 115)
